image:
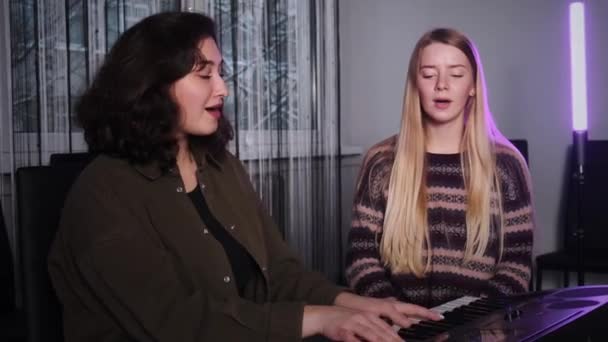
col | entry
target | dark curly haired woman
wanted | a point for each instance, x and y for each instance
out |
(162, 237)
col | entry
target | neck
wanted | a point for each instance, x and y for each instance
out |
(184, 156)
(186, 165)
(444, 138)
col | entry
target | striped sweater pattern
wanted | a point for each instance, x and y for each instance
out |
(449, 277)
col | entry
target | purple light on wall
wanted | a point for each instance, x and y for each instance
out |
(578, 66)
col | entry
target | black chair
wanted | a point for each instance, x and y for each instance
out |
(522, 146)
(12, 323)
(79, 159)
(7, 288)
(594, 210)
(41, 192)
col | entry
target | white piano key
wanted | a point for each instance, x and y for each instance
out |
(446, 307)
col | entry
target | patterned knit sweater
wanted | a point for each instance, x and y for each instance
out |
(448, 277)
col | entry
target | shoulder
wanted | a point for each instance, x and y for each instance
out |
(233, 174)
(231, 167)
(382, 154)
(105, 174)
(227, 158)
(385, 148)
(513, 171)
(101, 197)
(510, 160)
(376, 168)
(105, 177)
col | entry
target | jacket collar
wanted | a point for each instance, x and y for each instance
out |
(202, 156)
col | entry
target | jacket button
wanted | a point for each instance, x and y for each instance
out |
(264, 269)
(232, 227)
(205, 231)
(179, 189)
(226, 279)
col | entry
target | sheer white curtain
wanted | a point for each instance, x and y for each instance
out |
(54, 47)
(281, 64)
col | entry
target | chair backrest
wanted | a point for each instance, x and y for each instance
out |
(522, 146)
(77, 158)
(41, 193)
(594, 204)
(7, 280)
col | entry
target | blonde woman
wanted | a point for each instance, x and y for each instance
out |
(443, 209)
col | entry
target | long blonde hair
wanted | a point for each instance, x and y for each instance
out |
(405, 245)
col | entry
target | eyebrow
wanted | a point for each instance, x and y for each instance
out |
(207, 62)
(452, 66)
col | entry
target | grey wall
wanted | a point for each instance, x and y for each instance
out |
(524, 48)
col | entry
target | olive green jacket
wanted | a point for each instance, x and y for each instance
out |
(133, 261)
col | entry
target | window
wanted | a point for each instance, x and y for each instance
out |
(281, 90)
(56, 46)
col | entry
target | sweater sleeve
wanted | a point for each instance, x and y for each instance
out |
(513, 272)
(365, 271)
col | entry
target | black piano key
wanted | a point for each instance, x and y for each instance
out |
(500, 303)
(438, 324)
(432, 327)
(459, 315)
(487, 304)
(469, 317)
(454, 318)
(482, 308)
(423, 330)
(474, 311)
(423, 334)
(488, 301)
(409, 334)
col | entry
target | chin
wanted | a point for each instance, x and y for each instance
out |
(204, 132)
(441, 118)
(209, 132)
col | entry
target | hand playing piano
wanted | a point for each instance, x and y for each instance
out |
(342, 324)
(401, 314)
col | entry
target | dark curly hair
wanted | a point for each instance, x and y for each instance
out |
(128, 110)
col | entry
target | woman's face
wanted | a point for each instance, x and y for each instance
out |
(445, 82)
(200, 94)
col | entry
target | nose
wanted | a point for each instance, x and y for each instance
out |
(442, 83)
(220, 87)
